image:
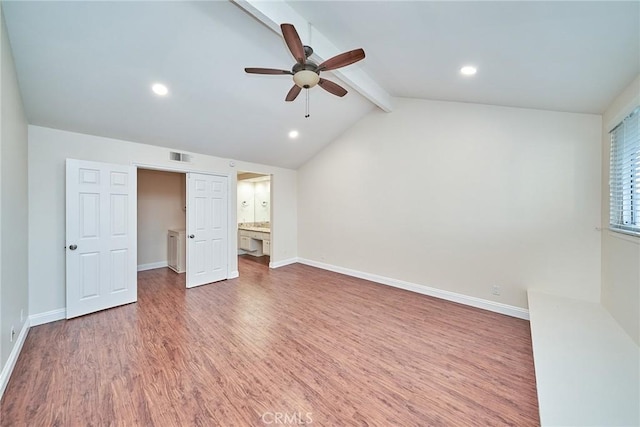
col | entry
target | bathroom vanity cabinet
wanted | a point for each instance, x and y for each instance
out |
(256, 243)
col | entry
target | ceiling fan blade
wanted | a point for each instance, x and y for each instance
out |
(342, 60)
(266, 71)
(332, 87)
(293, 42)
(293, 93)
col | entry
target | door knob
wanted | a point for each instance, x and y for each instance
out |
(192, 236)
(73, 247)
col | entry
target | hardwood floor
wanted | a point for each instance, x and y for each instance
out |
(289, 346)
(264, 260)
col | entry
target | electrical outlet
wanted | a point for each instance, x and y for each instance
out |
(495, 290)
(13, 333)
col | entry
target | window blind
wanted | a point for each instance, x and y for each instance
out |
(624, 176)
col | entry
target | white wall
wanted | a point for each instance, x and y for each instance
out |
(161, 199)
(620, 253)
(48, 149)
(460, 197)
(13, 203)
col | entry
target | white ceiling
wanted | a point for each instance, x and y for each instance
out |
(88, 66)
(553, 55)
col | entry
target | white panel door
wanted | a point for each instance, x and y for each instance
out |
(100, 236)
(206, 229)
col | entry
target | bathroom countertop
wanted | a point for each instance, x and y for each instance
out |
(252, 228)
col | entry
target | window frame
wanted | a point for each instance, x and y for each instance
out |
(619, 196)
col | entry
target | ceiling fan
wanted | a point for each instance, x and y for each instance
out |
(306, 74)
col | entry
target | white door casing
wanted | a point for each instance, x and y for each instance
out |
(207, 229)
(101, 228)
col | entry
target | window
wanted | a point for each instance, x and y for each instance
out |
(624, 175)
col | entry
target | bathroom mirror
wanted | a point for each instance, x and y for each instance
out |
(254, 198)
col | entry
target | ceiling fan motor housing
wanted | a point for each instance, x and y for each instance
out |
(306, 66)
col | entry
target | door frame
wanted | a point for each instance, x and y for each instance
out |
(232, 238)
(271, 222)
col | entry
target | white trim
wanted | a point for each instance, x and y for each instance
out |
(185, 169)
(234, 274)
(278, 264)
(232, 221)
(47, 317)
(623, 113)
(152, 265)
(7, 369)
(496, 307)
(624, 235)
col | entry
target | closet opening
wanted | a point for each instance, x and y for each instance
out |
(162, 206)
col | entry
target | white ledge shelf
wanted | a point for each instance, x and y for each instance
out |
(587, 367)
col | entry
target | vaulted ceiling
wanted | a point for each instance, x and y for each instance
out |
(88, 66)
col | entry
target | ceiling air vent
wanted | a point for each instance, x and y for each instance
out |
(179, 157)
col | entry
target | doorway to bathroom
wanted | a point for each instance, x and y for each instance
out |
(254, 218)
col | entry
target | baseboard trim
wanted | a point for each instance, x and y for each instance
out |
(47, 317)
(7, 370)
(152, 265)
(278, 264)
(496, 307)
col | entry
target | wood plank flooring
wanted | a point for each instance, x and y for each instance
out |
(295, 345)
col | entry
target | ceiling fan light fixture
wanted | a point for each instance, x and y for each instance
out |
(306, 78)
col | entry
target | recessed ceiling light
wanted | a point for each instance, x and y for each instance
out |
(293, 134)
(159, 89)
(468, 70)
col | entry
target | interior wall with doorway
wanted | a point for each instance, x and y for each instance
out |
(254, 215)
(48, 149)
(161, 207)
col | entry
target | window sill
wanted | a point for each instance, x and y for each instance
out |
(625, 235)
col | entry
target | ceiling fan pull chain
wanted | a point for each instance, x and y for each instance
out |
(306, 116)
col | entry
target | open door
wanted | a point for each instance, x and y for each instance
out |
(100, 236)
(207, 232)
